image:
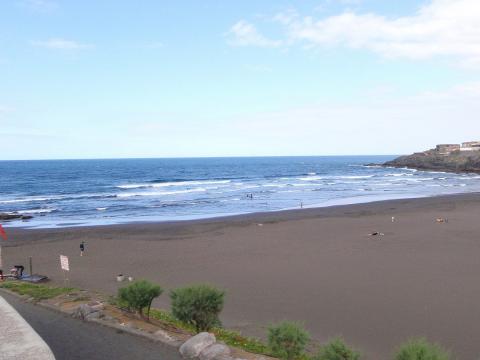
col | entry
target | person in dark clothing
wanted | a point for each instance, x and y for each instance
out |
(82, 248)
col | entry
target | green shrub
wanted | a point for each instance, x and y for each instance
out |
(198, 305)
(139, 295)
(287, 340)
(421, 349)
(336, 349)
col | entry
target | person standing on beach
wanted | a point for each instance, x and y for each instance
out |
(82, 248)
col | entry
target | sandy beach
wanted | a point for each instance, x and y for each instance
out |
(316, 266)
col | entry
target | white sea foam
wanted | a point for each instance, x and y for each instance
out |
(160, 193)
(35, 211)
(356, 177)
(250, 187)
(54, 197)
(101, 208)
(29, 199)
(311, 178)
(400, 174)
(172, 183)
(436, 172)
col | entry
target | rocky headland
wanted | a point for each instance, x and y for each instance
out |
(437, 160)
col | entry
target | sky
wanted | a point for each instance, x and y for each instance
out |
(128, 79)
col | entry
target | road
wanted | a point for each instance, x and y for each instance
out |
(72, 339)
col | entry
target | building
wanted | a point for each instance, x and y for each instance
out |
(470, 146)
(445, 149)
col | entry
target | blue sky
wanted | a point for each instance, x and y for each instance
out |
(102, 79)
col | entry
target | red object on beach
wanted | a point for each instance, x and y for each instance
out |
(3, 234)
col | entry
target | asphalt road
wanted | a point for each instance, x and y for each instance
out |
(72, 339)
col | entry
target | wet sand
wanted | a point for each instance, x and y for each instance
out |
(317, 266)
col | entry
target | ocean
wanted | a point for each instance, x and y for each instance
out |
(96, 192)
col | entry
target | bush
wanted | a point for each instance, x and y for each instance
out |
(198, 305)
(287, 340)
(421, 349)
(139, 295)
(336, 349)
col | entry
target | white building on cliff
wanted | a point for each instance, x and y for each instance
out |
(470, 146)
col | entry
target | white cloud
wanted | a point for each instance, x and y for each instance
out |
(62, 44)
(5, 109)
(44, 6)
(465, 92)
(245, 34)
(439, 28)
(350, 2)
(372, 125)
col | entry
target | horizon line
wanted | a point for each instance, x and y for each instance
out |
(197, 157)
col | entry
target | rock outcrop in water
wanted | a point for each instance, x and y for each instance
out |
(454, 161)
(13, 216)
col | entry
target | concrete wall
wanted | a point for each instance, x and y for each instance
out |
(17, 338)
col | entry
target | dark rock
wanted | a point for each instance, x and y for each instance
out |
(456, 161)
(86, 312)
(14, 216)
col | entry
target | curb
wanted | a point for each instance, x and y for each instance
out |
(157, 339)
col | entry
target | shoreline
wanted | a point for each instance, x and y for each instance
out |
(285, 214)
(265, 216)
(318, 266)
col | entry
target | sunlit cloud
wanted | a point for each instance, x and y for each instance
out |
(43, 6)
(245, 34)
(439, 28)
(62, 44)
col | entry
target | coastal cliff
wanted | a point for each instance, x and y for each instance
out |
(455, 161)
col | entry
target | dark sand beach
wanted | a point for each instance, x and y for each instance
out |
(317, 266)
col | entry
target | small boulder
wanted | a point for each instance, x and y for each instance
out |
(83, 311)
(192, 348)
(96, 305)
(93, 315)
(215, 352)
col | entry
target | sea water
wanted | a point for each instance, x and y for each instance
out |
(94, 192)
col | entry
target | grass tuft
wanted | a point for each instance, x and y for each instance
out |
(36, 291)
